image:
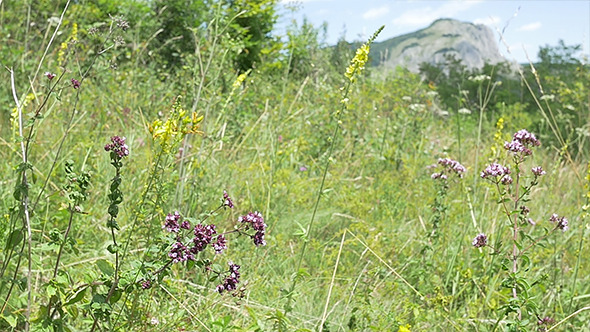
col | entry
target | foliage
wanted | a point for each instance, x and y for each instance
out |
(221, 139)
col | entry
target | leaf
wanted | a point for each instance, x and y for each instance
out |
(14, 239)
(11, 320)
(105, 267)
(77, 296)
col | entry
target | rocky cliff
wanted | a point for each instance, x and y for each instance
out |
(473, 44)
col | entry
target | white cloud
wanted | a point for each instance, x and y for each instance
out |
(491, 21)
(374, 13)
(530, 27)
(426, 15)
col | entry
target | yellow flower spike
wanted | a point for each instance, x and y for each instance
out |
(357, 64)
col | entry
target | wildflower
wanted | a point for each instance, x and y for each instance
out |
(171, 224)
(49, 75)
(538, 171)
(179, 253)
(531, 221)
(545, 322)
(122, 24)
(506, 180)
(521, 142)
(220, 245)
(185, 224)
(453, 166)
(230, 283)
(146, 284)
(526, 138)
(561, 222)
(497, 172)
(118, 146)
(302, 168)
(524, 210)
(154, 321)
(357, 64)
(203, 237)
(227, 201)
(75, 83)
(404, 328)
(481, 240)
(464, 111)
(256, 222)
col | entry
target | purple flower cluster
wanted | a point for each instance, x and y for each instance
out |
(450, 165)
(497, 173)
(561, 222)
(179, 253)
(118, 146)
(227, 200)
(146, 284)
(75, 83)
(171, 224)
(230, 283)
(220, 245)
(255, 220)
(538, 171)
(521, 142)
(203, 237)
(49, 75)
(481, 240)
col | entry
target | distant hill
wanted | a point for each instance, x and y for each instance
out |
(473, 44)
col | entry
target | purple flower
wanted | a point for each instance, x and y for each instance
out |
(497, 173)
(302, 168)
(203, 237)
(146, 284)
(227, 200)
(118, 146)
(259, 239)
(220, 245)
(49, 75)
(185, 225)
(517, 147)
(481, 240)
(526, 138)
(453, 166)
(230, 283)
(524, 210)
(75, 83)
(538, 171)
(171, 223)
(561, 222)
(521, 141)
(256, 222)
(179, 253)
(506, 180)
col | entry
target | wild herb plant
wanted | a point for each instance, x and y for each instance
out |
(521, 308)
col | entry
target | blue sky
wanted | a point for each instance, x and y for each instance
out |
(527, 24)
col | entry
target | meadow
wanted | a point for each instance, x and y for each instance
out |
(174, 171)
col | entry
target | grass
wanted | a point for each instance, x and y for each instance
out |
(348, 246)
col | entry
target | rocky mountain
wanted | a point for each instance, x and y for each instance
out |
(473, 44)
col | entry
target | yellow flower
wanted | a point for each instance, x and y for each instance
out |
(357, 64)
(404, 328)
(178, 124)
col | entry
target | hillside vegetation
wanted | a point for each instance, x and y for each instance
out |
(172, 166)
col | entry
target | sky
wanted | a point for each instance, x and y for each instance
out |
(525, 25)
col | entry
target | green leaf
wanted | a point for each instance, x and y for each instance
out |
(105, 267)
(77, 296)
(51, 290)
(14, 239)
(11, 320)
